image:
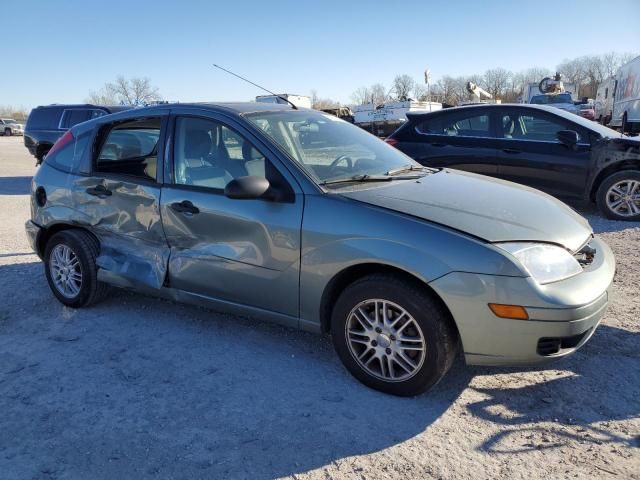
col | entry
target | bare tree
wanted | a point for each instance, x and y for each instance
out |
(361, 96)
(573, 71)
(102, 97)
(16, 113)
(322, 103)
(378, 93)
(402, 86)
(419, 91)
(612, 61)
(496, 81)
(134, 91)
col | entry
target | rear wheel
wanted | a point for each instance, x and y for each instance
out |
(618, 196)
(392, 335)
(70, 268)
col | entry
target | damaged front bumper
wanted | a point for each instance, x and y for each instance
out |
(562, 315)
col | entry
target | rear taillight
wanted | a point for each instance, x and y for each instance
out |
(391, 141)
(62, 141)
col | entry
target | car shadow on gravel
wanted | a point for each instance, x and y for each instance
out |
(140, 386)
(599, 384)
(15, 185)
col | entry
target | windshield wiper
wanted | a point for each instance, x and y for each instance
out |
(369, 178)
(407, 168)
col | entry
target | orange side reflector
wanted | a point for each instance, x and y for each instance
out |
(509, 311)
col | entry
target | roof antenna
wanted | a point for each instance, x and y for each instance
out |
(256, 85)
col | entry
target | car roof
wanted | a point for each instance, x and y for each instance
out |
(237, 107)
(545, 108)
(110, 108)
(233, 108)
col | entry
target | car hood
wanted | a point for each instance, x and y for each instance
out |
(487, 208)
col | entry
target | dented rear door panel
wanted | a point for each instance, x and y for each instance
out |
(126, 219)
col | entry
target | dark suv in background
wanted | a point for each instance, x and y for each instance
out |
(46, 124)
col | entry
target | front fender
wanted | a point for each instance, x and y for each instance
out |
(365, 235)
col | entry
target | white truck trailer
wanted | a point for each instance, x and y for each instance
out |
(626, 98)
(382, 120)
(603, 104)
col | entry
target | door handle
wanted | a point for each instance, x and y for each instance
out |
(99, 191)
(511, 150)
(438, 144)
(185, 207)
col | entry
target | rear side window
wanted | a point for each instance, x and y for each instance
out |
(466, 124)
(73, 117)
(68, 151)
(47, 118)
(130, 149)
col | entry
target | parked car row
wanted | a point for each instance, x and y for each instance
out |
(298, 217)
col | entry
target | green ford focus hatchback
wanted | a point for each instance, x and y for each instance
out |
(297, 217)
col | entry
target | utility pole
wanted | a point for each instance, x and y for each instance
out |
(427, 80)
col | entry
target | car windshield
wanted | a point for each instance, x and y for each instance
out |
(328, 148)
(551, 99)
(9, 120)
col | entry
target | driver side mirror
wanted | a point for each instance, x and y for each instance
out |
(247, 188)
(568, 137)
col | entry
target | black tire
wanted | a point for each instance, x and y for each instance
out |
(603, 189)
(7, 132)
(439, 333)
(86, 248)
(41, 153)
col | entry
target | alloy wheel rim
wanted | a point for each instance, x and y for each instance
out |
(623, 198)
(66, 271)
(385, 340)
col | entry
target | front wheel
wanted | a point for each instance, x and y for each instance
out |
(618, 196)
(393, 335)
(70, 268)
(7, 132)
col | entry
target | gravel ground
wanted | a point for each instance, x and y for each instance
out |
(137, 387)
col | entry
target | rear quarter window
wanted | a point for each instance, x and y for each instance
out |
(68, 158)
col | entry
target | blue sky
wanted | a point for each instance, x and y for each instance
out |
(60, 51)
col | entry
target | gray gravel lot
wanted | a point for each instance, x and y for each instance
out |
(137, 387)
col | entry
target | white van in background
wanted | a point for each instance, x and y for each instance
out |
(626, 102)
(604, 101)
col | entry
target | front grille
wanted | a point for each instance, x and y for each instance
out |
(552, 345)
(585, 255)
